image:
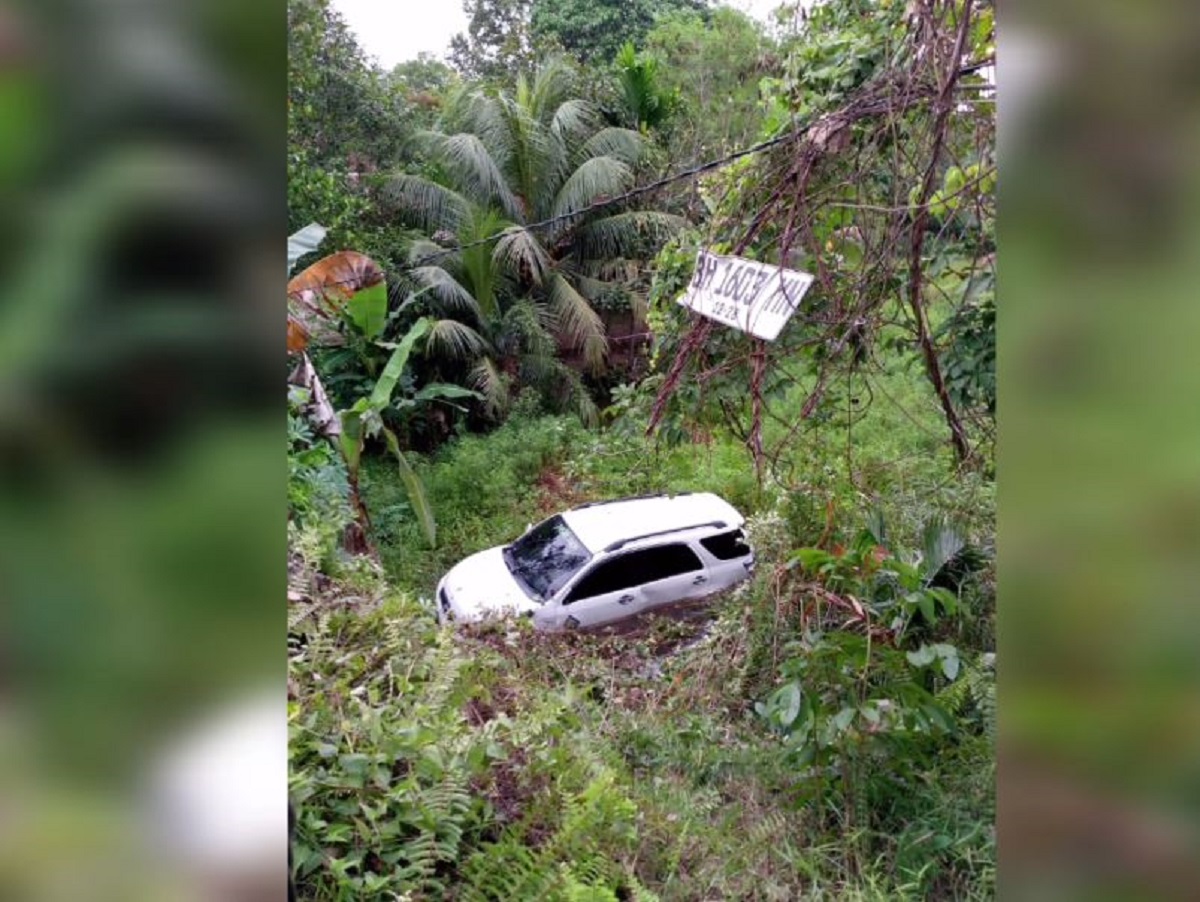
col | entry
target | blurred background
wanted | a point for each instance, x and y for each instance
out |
(142, 708)
(141, 450)
(1099, 450)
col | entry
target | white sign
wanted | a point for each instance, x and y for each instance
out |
(755, 297)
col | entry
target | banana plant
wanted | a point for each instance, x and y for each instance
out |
(342, 291)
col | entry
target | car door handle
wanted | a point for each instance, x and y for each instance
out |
(699, 580)
(625, 599)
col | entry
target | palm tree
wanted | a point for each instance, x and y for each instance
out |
(505, 162)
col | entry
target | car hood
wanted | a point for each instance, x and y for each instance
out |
(481, 585)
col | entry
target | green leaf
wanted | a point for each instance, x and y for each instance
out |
(811, 558)
(948, 599)
(950, 666)
(935, 714)
(416, 490)
(925, 603)
(354, 763)
(790, 697)
(949, 658)
(444, 390)
(307, 240)
(922, 657)
(367, 309)
(842, 720)
(381, 395)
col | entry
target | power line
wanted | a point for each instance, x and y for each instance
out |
(599, 204)
(621, 198)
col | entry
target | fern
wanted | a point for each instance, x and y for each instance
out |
(504, 871)
(974, 692)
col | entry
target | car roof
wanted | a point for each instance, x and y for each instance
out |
(602, 524)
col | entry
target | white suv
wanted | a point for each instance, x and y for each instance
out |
(604, 562)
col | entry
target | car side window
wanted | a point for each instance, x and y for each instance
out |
(610, 576)
(665, 562)
(726, 546)
(635, 569)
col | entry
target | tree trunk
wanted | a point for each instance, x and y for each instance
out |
(325, 420)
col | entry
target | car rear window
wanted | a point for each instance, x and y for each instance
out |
(726, 546)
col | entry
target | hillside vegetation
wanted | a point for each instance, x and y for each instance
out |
(826, 730)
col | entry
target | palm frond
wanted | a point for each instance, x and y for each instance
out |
(597, 178)
(541, 371)
(519, 249)
(578, 322)
(550, 88)
(446, 290)
(477, 113)
(610, 269)
(422, 249)
(626, 234)
(426, 204)
(453, 340)
(487, 379)
(568, 392)
(621, 144)
(594, 289)
(530, 153)
(479, 270)
(457, 107)
(573, 122)
(476, 173)
(573, 119)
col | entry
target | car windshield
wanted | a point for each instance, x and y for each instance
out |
(546, 557)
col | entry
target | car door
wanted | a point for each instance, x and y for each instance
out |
(610, 590)
(671, 573)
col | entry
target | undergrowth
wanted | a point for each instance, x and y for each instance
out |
(824, 731)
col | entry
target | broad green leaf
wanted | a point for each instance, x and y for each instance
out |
(444, 390)
(950, 666)
(922, 657)
(925, 603)
(367, 309)
(381, 395)
(790, 697)
(416, 490)
(948, 599)
(811, 558)
(843, 719)
(936, 714)
(949, 658)
(307, 240)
